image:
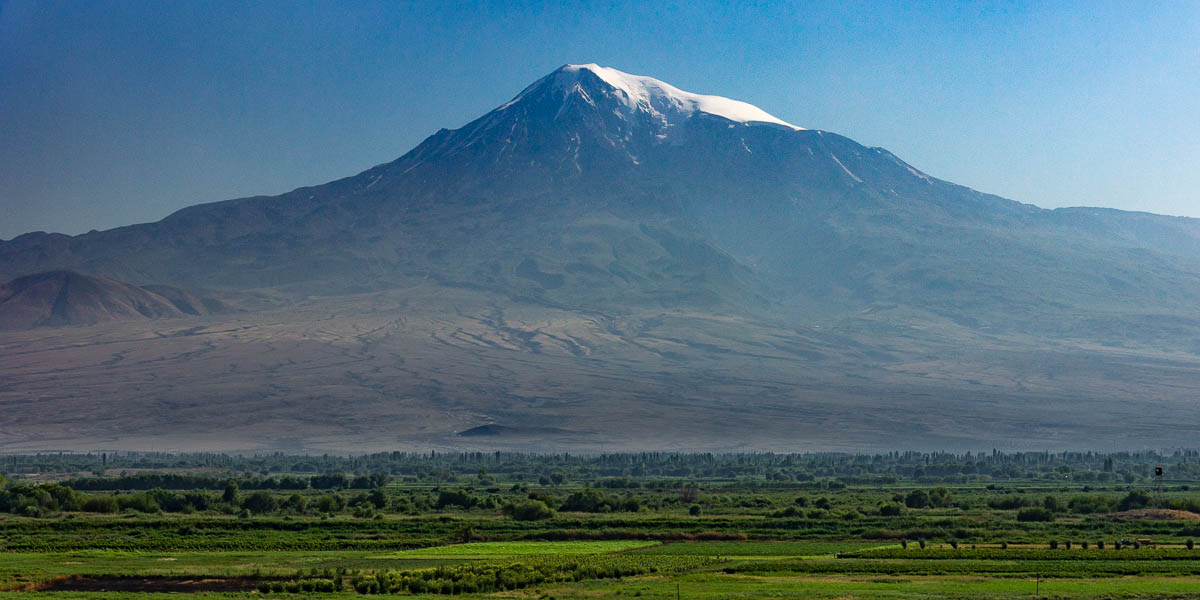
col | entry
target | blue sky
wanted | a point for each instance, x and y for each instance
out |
(121, 112)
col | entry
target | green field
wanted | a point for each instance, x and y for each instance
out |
(750, 526)
(507, 549)
(758, 549)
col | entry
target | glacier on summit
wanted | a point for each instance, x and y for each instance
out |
(655, 97)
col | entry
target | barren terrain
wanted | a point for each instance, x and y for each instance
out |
(400, 370)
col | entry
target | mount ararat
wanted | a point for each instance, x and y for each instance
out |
(608, 262)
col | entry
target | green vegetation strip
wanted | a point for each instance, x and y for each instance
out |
(529, 571)
(755, 549)
(498, 549)
(1143, 554)
(982, 568)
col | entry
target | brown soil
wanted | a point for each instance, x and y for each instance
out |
(1156, 514)
(148, 584)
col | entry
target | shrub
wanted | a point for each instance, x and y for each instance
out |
(101, 504)
(330, 503)
(528, 510)
(1033, 514)
(940, 497)
(1133, 500)
(916, 499)
(260, 502)
(591, 501)
(455, 498)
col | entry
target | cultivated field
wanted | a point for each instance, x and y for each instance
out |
(696, 526)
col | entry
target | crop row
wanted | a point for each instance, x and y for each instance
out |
(1080, 554)
(994, 568)
(513, 575)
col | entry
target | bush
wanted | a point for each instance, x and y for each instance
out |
(528, 510)
(940, 497)
(916, 499)
(1134, 500)
(260, 502)
(1034, 514)
(330, 503)
(455, 498)
(101, 504)
(593, 501)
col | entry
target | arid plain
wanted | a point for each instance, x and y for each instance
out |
(397, 369)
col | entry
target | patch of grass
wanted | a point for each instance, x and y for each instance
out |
(755, 549)
(1077, 554)
(706, 585)
(983, 568)
(503, 549)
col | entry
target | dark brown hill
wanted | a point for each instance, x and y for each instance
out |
(57, 298)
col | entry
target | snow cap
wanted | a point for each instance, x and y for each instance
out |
(656, 97)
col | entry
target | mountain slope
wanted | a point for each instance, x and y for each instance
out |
(593, 187)
(606, 261)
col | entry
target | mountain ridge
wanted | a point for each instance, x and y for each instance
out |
(804, 219)
(571, 263)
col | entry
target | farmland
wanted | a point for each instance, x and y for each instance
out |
(795, 526)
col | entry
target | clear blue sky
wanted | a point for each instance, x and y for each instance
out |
(120, 112)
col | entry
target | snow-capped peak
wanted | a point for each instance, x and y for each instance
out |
(656, 97)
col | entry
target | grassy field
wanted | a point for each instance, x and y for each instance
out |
(539, 532)
(508, 549)
(721, 570)
(758, 549)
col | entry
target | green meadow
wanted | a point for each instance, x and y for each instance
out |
(743, 526)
